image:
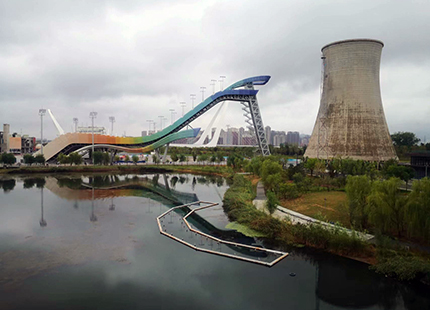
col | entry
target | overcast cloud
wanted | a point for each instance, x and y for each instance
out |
(135, 60)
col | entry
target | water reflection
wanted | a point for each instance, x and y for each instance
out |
(7, 185)
(93, 217)
(42, 221)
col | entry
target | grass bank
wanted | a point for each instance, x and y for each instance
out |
(328, 206)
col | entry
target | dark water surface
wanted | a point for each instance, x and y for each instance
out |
(92, 242)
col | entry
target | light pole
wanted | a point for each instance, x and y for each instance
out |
(93, 115)
(192, 96)
(149, 121)
(172, 116)
(111, 120)
(161, 117)
(183, 105)
(213, 86)
(202, 90)
(41, 113)
(75, 121)
(221, 81)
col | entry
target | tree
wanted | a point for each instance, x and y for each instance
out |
(202, 158)
(29, 159)
(387, 206)
(61, 158)
(310, 164)
(407, 139)
(235, 161)
(155, 159)
(174, 157)
(357, 190)
(402, 172)
(40, 159)
(116, 158)
(194, 154)
(213, 159)
(271, 175)
(418, 213)
(105, 158)
(386, 165)
(320, 167)
(8, 158)
(220, 157)
(271, 201)
(127, 158)
(75, 158)
(135, 159)
(97, 158)
(182, 158)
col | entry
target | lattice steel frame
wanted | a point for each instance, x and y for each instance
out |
(253, 109)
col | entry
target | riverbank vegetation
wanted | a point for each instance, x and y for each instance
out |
(238, 205)
(385, 255)
(363, 196)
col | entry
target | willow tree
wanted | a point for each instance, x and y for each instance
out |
(357, 190)
(418, 215)
(387, 206)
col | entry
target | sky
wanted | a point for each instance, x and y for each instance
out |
(137, 59)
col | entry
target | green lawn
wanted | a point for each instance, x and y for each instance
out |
(328, 205)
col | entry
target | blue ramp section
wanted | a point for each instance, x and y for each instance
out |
(208, 103)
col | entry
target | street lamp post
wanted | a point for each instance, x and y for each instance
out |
(41, 113)
(111, 120)
(221, 81)
(75, 121)
(93, 115)
(172, 116)
(183, 105)
(161, 117)
(192, 96)
(149, 121)
(213, 86)
(203, 92)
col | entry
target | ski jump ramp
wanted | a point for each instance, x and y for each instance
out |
(242, 91)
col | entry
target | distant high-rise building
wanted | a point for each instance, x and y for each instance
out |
(268, 132)
(4, 139)
(304, 140)
(229, 136)
(241, 133)
(293, 137)
(144, 133)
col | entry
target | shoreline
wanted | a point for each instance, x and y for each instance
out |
(118, 169)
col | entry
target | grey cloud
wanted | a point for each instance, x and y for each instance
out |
(71, 56)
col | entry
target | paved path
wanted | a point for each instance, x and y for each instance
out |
(295, 217)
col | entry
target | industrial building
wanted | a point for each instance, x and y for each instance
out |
(15, 143)
(351, 121)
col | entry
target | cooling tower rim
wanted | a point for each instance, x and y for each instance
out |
(352, 41)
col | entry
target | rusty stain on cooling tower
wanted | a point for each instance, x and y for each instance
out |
(351, 121)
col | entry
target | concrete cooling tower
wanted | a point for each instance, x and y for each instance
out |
(351, 121)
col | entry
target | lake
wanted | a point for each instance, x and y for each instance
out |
(92, 242)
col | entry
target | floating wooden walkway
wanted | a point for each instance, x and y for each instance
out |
(178, 228)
